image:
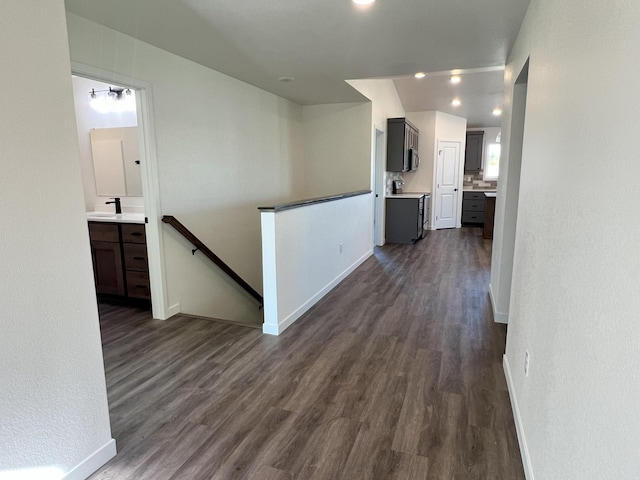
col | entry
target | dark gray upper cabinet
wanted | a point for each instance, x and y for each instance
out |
(473, 152)
(402, 136)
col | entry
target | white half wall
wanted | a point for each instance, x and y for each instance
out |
(576, 270)
(54, 418)
(309, 250)
(223, 147)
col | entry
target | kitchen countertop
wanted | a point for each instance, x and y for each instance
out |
(490, 194)
(408, 195)
(115, 218)
(478, 189)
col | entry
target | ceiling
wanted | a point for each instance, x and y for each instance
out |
(480, 92)
(321, 43)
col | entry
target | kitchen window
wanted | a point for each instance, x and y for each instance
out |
(492, 164)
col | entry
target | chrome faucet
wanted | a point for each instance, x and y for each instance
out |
(116, 200)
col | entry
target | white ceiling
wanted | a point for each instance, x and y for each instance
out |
(320, 43)
(480, 92)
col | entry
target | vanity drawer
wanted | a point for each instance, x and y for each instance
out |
(133, 233)
(135, 257)
(138, 285)
(104, 232)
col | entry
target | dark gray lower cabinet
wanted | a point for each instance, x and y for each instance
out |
(405, 219)
(473, 207)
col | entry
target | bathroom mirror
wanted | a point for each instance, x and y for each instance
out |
(116, 161)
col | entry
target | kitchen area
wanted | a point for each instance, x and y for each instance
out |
(470, 175)
(481, 163)
(407, 213)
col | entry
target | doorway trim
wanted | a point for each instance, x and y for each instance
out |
(378, 187)
(150, 181)
(506, 226)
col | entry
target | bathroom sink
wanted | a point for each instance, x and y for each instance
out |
(118, 218)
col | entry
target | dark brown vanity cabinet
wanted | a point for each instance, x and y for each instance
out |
(402, 141)
(119, 254)
(473, 152)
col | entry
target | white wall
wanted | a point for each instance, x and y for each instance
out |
(223, 148)
(307, 251)
(385, 103)
(451, 129)
(53, 405)
(422, 179)
(574, 300)
(86, 119)
(337, 148)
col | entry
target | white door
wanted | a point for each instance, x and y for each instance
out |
(446, 198)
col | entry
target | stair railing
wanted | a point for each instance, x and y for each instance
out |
(186, 233)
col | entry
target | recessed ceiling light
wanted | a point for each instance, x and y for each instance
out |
(455, 79)
(497, 112)
(363, 2)
(456, 102)
(420, 75)
(286, 79)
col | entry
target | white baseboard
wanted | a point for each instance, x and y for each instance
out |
(93, 462)
(173, 310)
(497, 316)
(296, 314)
(522, 440)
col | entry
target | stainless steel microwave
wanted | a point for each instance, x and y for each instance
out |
(414, 159)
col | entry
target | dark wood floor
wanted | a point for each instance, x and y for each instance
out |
(396, 374)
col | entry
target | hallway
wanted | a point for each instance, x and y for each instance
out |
(395, 374)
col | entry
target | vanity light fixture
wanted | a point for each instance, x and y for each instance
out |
(113, 99)
(455, 79)
(497, 112)
(420, 75)
(114, 92)
(456, 102)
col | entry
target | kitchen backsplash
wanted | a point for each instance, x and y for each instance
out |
(391, 176)
(475, 182)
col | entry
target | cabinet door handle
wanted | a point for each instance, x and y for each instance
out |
(138, 258)
(136, 234)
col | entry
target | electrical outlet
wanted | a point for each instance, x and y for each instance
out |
(340, 247)
(526, 363)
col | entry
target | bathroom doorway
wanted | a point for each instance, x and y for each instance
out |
(114, 122)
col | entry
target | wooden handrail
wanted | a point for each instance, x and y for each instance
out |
(186, 233)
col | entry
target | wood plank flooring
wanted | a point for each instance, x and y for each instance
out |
(395, 374)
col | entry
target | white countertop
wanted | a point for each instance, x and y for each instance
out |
(408, 195)
(115, 218)
(478, 189)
